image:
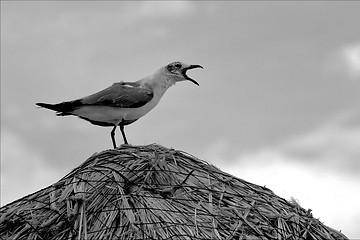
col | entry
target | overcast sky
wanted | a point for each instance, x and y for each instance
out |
(278, 102)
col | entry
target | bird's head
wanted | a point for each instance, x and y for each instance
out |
(177, 71)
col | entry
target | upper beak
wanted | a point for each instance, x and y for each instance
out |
(187, 77)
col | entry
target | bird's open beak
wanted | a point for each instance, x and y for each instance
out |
(187, 77)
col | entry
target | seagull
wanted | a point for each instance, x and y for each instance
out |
(124, 102)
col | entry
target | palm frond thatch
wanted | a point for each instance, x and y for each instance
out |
(152, 192)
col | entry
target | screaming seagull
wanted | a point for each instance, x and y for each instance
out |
(124, 102)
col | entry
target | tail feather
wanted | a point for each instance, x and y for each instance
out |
(64, 108)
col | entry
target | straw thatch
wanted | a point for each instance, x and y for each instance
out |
(151, 192)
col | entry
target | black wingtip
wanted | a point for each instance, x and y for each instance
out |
(54, 107)
(62, 108)
(41, 104)
(45, 105)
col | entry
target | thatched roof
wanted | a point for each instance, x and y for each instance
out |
(152, 192)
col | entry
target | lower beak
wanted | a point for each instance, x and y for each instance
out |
(187, 77)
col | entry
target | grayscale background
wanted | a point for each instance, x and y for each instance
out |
(278, 102)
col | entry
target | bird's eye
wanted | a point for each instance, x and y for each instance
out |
(178, 65)
(169, 68)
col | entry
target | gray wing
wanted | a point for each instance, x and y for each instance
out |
(122, 94)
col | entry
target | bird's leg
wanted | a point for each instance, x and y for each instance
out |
(113, 136)
(123, 132)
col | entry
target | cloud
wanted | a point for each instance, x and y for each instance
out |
(23, 171)
(133, 12)
(78, 18)
(162, 8)
(333, 145)
(351, 57)
(345, 61)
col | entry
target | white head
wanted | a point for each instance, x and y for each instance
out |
(176, 71)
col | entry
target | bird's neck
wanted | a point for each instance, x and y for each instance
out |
(159, 84)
